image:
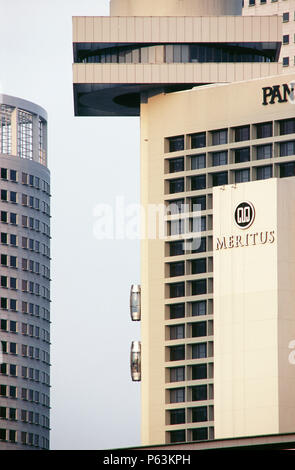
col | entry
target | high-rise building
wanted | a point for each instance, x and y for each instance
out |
(286, 10)
(218, 158)
(24, 276)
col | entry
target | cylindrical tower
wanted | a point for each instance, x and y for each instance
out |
(175, 7)
(24, 276)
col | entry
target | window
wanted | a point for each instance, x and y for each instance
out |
(12, 196)
(242, 176)
(198, 182)
(287, 126)
(287, 169)
(13, 175)
(176, 248)
(199, 308)
(286, 61)
(177, 436)
(177, 353)
(177, 332)
(287, 148)
(199, 287)
(199, 371)
(285, 39)
(177, 311)
(200, 434)
(198, 224)
(264, 172)
(176, 144)
(176, 186)
(199, 265)
(176, 226)
(219, 158)
(177, 416)
(176, 206)
(251, 3)
(199, 351)
(219, 179)
(199, 329)
(177, 289)
(4, 217)
(199, 393)
(219, 137)
(242, 133)
(176, 164)
(264, 130)
(199, 245)
(198, 140)
(177, 269)
(177, 374)
(13, 218)
(199, 414)
(264, 151)
(242, 155)
(177, 395)
(198, 203)
(198, 162)
(286, 17)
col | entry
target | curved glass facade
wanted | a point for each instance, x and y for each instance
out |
(176, 53)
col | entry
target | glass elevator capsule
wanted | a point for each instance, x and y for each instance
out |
(135, 302)
(135, 361)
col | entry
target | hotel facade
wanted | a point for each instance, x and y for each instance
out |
(24, 276)
(215, 360)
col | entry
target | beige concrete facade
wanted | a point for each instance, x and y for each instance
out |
(285, 10)
(237, 132)
(204, 109)
(254, 323)
(174, 8)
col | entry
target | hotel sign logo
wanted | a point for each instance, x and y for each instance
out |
(244, 215)
(278, 94)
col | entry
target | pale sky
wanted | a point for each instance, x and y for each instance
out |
(94, 403)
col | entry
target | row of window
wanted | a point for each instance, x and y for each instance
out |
(26, 222)
(27, 201)
(27, 416)
(194, 266)
(192, 372)
(10, 435)
(200, 182)
(34, 309)
(25, 438)
(27, 286)
(27, 179)
(28, 373)
(193, 393)
(26, 264)
(197, 414)
(194, 351)
(26, 394)
(193, 204)
(194, 330)
(180, 289)
(11, 326)
(179, 53)
(181, 247)
(25, 350)
(198, 434)
(235, 134)
(198, 308)
(223, 157)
